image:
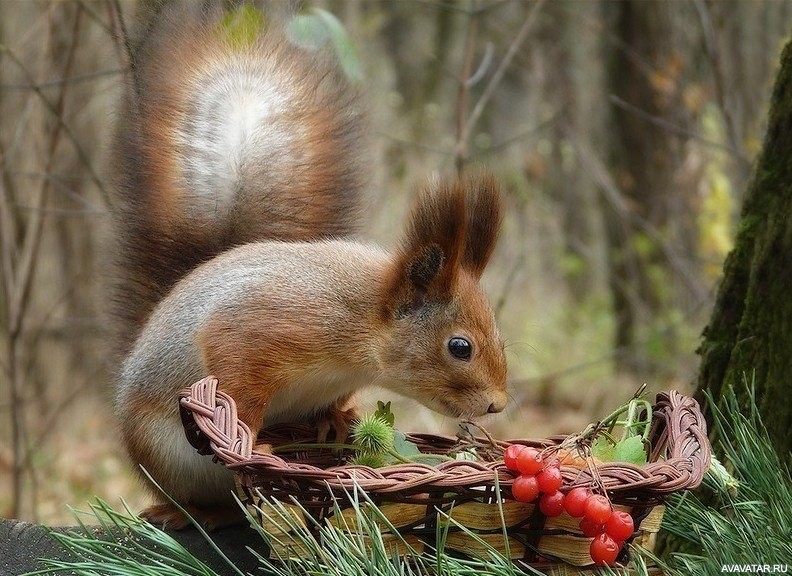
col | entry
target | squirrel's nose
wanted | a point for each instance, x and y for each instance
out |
(498, 404)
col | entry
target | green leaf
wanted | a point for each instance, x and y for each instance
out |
(602, 449)
(384, 411)
(317, 27)
(403, 446)
(308, 31)
(630, 449)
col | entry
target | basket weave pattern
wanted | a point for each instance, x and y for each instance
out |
(317, 478)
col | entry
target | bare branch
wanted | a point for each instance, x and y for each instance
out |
(469, 11)
(713, 54)
(507, 284)
(121, 37)
(478, 109)
(463, 92)
(18, 440)
(483, 67)
(8, 239)
(30, 244)
(673, 128)
(58, 81)
(81, 154)
(529, 133)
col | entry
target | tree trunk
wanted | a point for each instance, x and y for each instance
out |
(643, 83)
(571, 84)
(749, 336)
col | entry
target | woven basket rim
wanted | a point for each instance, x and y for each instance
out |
(679, 433)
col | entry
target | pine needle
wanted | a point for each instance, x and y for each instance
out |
(747, 525)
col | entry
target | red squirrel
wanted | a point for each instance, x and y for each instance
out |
(241, 173)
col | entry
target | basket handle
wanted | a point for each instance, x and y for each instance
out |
(211, 423)
(684, 426)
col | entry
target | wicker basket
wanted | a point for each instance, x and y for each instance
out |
(410, 495)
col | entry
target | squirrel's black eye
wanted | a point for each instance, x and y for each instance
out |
(460, 348)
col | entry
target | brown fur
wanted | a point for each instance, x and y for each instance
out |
(484, 219)
(159, 241)
(452, 226)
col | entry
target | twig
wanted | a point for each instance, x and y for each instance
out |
(504, 294)
(711, 48)
(32, 238)
(18, 441)
(671, 127)
(463, 92)
(94, 15)
(468, 442)
(8, 228)
(483, 67)
(120, 36)
(529, 133)
(482, 102)
(76, 79)
(81, 154)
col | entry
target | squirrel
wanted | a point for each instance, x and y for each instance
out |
(241, 172)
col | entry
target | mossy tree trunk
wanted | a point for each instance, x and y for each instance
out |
(750, 333)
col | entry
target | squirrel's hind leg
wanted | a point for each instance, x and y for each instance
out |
(169, 517)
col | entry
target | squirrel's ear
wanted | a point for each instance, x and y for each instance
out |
(483, 221)
(428, 258)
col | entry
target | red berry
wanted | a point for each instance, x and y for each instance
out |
(510, 456)
(551, 504)
(620, 526)
(554, 462)
(590, 528)
(549, 479)
(529, 461)
(597, 509)
(525, 488)
(604, 549)
(575, 501)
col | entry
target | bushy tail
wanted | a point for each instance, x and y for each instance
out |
(230, 134)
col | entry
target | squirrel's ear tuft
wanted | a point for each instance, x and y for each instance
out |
(428, 259)
(483, 221)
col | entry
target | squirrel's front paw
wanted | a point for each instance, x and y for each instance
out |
(263, 448)
(338, 419)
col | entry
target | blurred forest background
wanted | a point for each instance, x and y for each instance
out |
(623, 132)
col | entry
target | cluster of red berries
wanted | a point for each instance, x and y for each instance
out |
(609, 528)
